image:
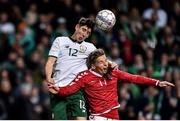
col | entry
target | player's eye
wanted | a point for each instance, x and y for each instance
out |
(83, 29)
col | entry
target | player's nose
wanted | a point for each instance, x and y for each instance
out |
(83, 35)
(106, 64)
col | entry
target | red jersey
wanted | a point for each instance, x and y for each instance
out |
(101, 93)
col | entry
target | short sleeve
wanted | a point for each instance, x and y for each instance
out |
(55, 48)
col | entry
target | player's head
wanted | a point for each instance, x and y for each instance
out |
(97, 61)
(83, 28)
(87, 22)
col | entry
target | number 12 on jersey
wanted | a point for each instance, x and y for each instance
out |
(73, 52)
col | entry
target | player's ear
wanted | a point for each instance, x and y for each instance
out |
(93, 66)
(77, 26)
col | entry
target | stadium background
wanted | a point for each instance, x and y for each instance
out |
(140, 44)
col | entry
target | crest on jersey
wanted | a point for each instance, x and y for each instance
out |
(82, 49)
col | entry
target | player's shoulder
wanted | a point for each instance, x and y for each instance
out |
(88, 43)
(90, 46)
(115, 71)
(83, 73)
(62, 38)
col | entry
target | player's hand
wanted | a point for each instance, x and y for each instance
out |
(53, 90)
(51, 86)
(165, 84)
(113, 65)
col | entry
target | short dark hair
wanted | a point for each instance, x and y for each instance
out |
(90, 23)
(93, 56)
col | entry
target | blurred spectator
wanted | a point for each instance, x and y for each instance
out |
(125, 25)
(150, 60)
(138, 65)
(126, 45)
(115, 54)
(23, 108)
(123, 5)
(4, 47)
(15, 15)
(23, 40)
(169, 104)
(32, 15)
(20, 68)
(148, 103)
(175, 18)
(5, 25)
(155, 12)
(61, 29)
(44, 96)
(7, 99)
(149, 34)
(11, 59)
(135, 22)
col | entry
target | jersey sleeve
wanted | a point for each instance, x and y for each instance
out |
(91, 47)
(55, 48)
(73, 87)
(124, 76)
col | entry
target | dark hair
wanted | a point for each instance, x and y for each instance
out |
(93, 56)
(87, 22)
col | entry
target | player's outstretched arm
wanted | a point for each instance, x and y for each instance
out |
(165, 84)
(138, 79)
(73, 87)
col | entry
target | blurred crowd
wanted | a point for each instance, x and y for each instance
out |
(145, 41)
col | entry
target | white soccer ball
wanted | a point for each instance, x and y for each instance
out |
(105, 19)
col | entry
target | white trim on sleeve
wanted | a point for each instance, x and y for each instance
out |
(157, 82)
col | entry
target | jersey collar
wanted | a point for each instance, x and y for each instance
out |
(75, 40)
(95, 73)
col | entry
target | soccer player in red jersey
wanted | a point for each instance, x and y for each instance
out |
(100, 86)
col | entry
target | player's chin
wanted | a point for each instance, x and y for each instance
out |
(80, 40)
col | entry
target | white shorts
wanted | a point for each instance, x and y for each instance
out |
(93, 118)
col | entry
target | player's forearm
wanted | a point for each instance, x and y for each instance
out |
(145, 80)
(136, 78)
(73, 87)
(68, 90)
(48, 72)
(49, 69)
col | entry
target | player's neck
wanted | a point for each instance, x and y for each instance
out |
(97, 72)
(73, 38)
